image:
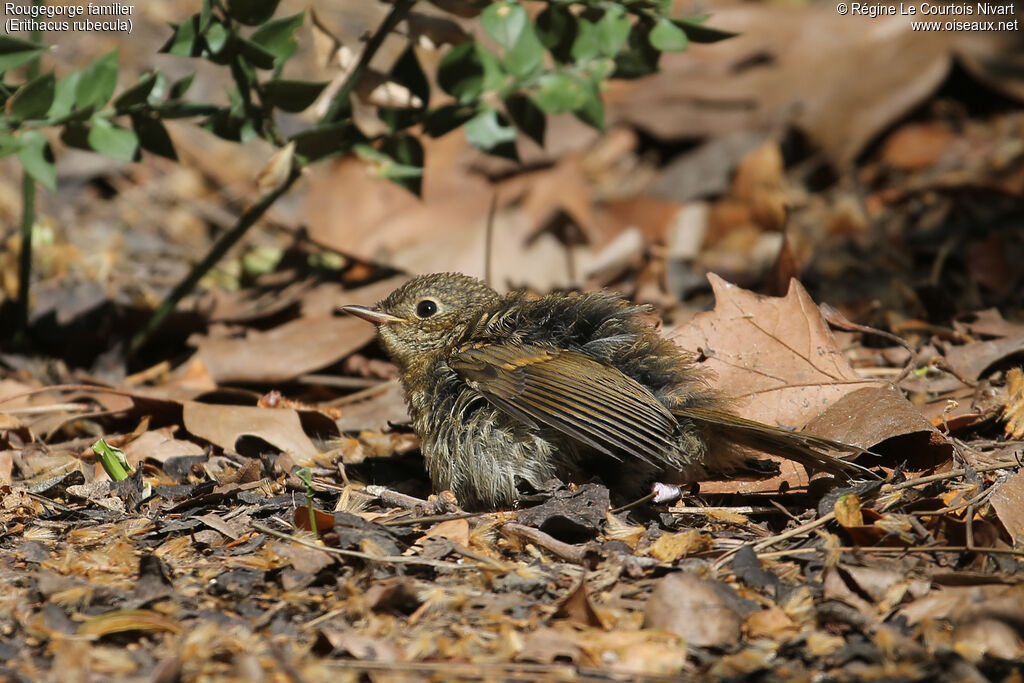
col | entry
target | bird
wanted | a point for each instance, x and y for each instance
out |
(507, 392)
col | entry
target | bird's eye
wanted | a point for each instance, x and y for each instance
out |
(426, 308)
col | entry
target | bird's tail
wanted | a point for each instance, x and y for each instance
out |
(806, 449)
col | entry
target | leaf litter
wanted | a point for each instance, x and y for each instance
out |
(218, 573)
(394, 583)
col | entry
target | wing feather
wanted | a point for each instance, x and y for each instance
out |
(585, 399)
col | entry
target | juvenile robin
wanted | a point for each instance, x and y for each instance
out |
(507, 389)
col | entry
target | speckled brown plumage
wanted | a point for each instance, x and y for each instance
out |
(510, 389)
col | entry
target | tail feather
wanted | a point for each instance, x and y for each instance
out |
(807, 449)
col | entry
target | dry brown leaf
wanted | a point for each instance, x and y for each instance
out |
(881, 419)
(779, 360)
(775, 357)
(454, 530)
(694, 608)
(158, 445)
(772, 623)
(386, 406)
(446, 229)
(670, 547)
(275, 173)
(760, 183)
(841, 79)
(577, 609)
(970, 361)
(917, 145)
(989, 322)
(1013, 413)
(847, 509)
(295, 347)
(302, 558)
(1008, 502)
(224, 425)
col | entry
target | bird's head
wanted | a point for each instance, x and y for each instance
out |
(426, 314)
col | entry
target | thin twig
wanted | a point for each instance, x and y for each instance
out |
(489, 239)
(478, 670)
(340, 99)
(887, 550)
(406, 520)
(383, 559)
(638, 501)
(952, 474)
(363, 394)
(53, 407)
(566, 551)
(718, 509)
(28, 212)
(212, 258)
(772, 540)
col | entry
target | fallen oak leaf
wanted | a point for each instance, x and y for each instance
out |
(775, 357)
(779, 362)
(224, 425)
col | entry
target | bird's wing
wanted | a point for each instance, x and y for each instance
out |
(573, 393)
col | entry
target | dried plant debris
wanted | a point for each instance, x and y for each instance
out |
(274, 520)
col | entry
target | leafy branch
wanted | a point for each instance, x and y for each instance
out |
(528, 68)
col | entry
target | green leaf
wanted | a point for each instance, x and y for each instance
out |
(185, 40)
(586, 46)
(76, 135)
(668, 37)
(591, 111)
(216, 37)
(556, 30)
(699, 33)
(252, 12)
(408, 152)
(36, 158)
(153, 136)
(639, 58)
(205, 15)
(14, 52)
(8, 145)
(408, 72)
(180, 87)
(383, 166)
(97, 82)
(600, 70)
(159, 89)
(113, 141)
(504, 21)
(524, 58)
(447, 118)
(64, 96)
(292, 96)
(612, 31)
(467, 70)
(276, 37)
(137, 94)
(329, 140)
(490, 132)
(33, 100)
(560, 93)
(113, 460)
(527, 116)
(254, 53)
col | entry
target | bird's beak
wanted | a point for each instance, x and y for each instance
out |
(371, 314)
